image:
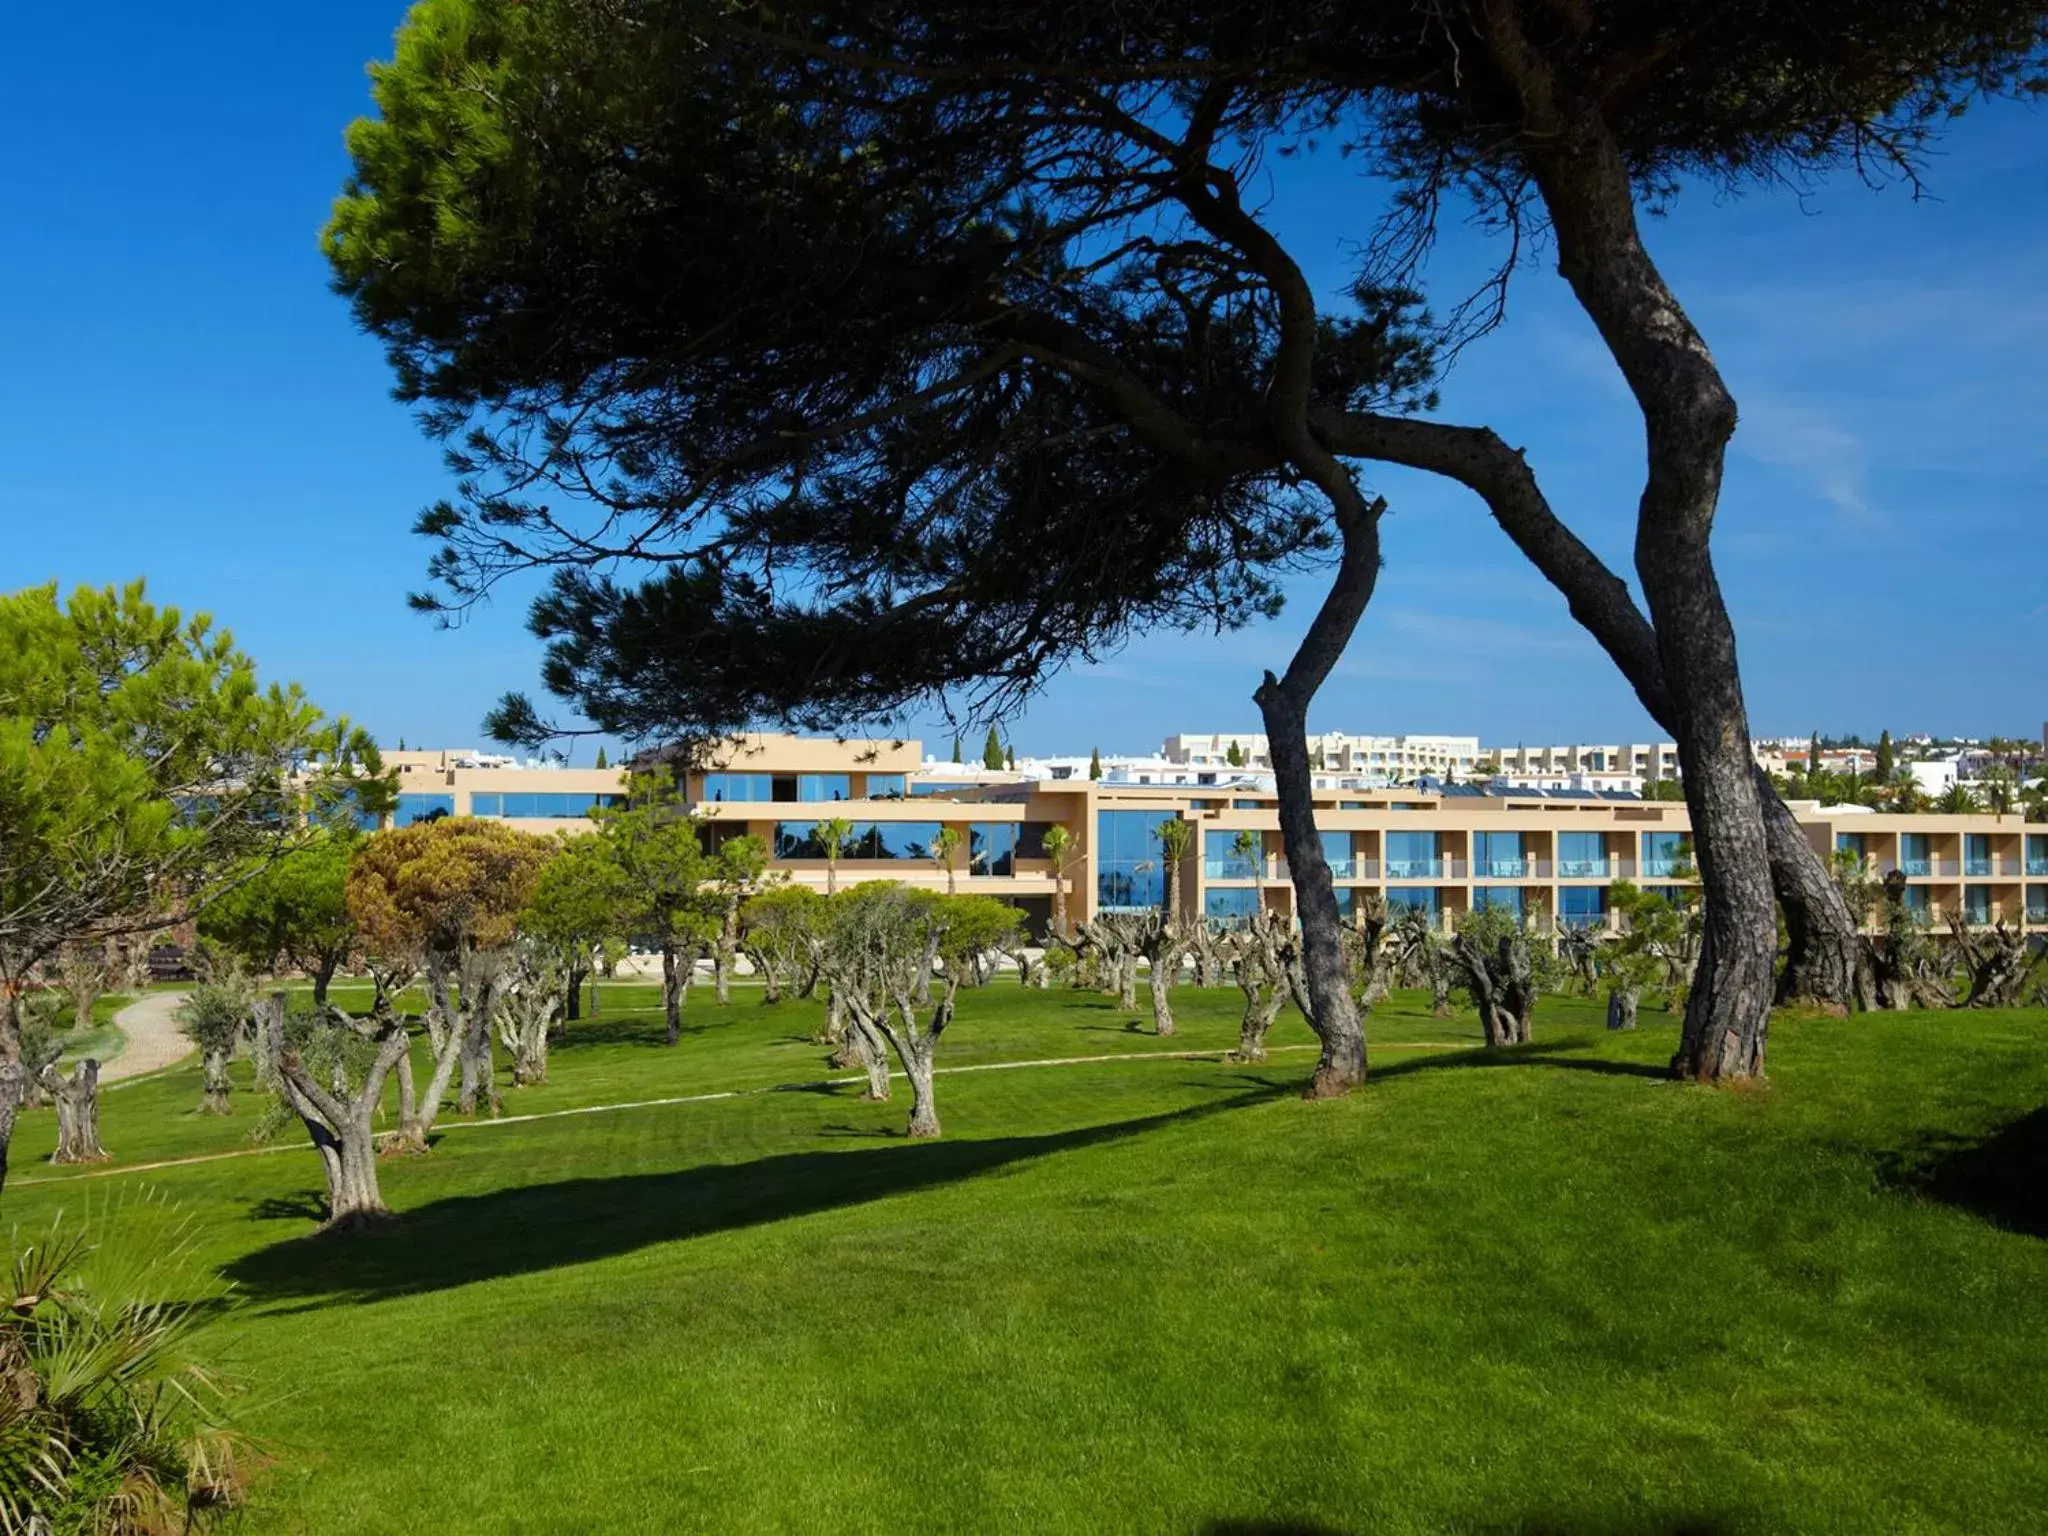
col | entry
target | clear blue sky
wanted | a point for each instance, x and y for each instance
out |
(182, 398)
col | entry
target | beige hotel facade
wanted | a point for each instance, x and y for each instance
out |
(1538, 852)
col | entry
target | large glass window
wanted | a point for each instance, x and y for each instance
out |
(738, 786)
(1498, 856)
(1411, 854)
(1915, 900)
(1031, 839)
(1222, 861)
(1976, 854)
(412, 808)
(1230, 905)
(885, 786)
(1501, 898)
(1850, 843)
(1129, 874)
(1337, 851)
(1913, 857)
(2037, 854)
(992, 847)
(869, 840)
(1582, 906)
(1411, 898)
(1581, 856)
(1664, 855)
(2037, 903)
(525, 805)
(824, 786)
(1976, 904)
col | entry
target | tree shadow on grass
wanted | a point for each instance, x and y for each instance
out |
(1567, 1056)
(2002, 1178)
(620, 1031)
(519, 1231)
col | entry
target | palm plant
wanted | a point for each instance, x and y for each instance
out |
(1176, 837)
(945, 847)
(833, 834)
(1056, 842)
(1956, 800)
(109, 1422)
(1249, 846)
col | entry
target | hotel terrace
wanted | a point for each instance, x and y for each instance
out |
(1445, 852)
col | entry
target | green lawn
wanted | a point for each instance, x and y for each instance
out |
(1551, 1292)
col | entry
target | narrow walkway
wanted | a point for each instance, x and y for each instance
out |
(290, 1145)
(154, 1040)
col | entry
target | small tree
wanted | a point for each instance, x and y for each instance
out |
(602, 760)
(1235, 756)
(292, 913)
(881, 941)
(1095, 762)
(529, 1001)
(780, 930)
(992, 750)
(446, 896)
(734, 873)
(655, 842)
(213, 1017)
(1494, 952)
(1649, 950)
(330, 1071)
(977, 931)
(1422, 959)
(1957, 800)
(87, 969)
(580, 904)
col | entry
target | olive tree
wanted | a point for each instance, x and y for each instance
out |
(445, 896)
(658, 848)
(581, 903)
(292, 913)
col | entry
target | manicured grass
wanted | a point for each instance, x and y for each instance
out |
(1544, 1292)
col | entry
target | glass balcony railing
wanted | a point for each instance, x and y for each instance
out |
(1414, 869)
(1665, 868)
(1504, 869)
(1582, 869)
(2037, 866)
(1343, 869)
(1230, 869)
(1977, 867)
(1916, 867)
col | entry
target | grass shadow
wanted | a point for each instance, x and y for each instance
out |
(467, 1238)
(2002, 1178)
(1565, 1057)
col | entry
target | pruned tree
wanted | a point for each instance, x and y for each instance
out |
(1264, 956)
(87, 968)
(978, 931)
(656, 844)
(444, 897)
(1422, 958)
(1366, 939)
(882, 940)
(1651, 949)
(1493, 952)
(143, 770)
(77, 1098)
(1998, 959)
(213, 1016)
(330, 1070)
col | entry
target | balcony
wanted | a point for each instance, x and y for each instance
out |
(2037, 866)
(1503, 869)
(1415, 869)
(1230, 869)
(1587, 869)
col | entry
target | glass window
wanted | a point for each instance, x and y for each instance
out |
(824, 786)
(1976, 853)
(1230, 904)
(797, 840)
(2037, 903)
(1663, 854)
(1031, 839)
(1976, 903)
(1504, 898)
(1582, 906)
(1581, 856)
(1411, 898)
(1498, 855)
(1410, 854)
(992, 848)
(1129, 874)
(412, 808)
(1337, 850)
(1222, 861)
(737, 786)
(1914, 899)
(1247, 805)
(2037, 854)
(894, 839)
(486, 803)
(885, 786)
(1913, 859)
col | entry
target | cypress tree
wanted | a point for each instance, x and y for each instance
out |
(1010, 757)
(1095, 762)
(602, 760)
(1887, 763)
(956, 747)
(992, 750)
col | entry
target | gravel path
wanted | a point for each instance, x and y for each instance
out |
(154, 1039)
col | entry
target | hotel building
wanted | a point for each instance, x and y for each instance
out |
(1445, 852)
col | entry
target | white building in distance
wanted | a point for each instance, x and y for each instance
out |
(1385, 759)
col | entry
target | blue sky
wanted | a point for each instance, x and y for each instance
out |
(184, 399)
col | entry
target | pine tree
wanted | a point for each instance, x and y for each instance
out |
(1813, 764)
(1010, 757)
(602, 761)
(992, 750)
(1095, 763)
(1886, 764)
(956, 747)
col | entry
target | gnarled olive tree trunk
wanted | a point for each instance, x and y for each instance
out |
(1503, 986)
(78, 1113)
(1622, 1001)
(340, 1125)
(213, 1063)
